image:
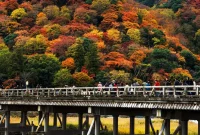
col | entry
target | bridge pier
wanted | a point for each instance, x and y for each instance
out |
(55, 119)
(87, 122)
(180, 131)
(46, 122)
(198, 127)
(97, 124)
(167, 127)
(63, 121)
(80, 121)
(184, 127)
(132, 125)
(147, 123)
(7, 122)
(23, 119)
(115, 124)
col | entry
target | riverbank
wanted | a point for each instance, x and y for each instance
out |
(72, 123)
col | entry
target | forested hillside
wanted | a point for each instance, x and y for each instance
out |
(53, 43)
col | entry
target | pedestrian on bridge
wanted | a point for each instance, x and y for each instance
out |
(100, 88)
(157, 83)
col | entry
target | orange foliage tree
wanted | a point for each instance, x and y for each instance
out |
(76, 29)
(116, 60)
(68, 63)
(109, 18)
(180, 73)
(138, 56)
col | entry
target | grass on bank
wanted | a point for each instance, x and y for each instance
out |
(72, 122)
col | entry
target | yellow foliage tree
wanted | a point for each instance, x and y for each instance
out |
(114, 34)
(18, 14)
(81, 79)
(134, 34)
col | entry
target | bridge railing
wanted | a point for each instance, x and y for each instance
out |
(158, 91)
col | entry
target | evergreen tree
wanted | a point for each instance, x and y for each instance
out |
(79, 57)
(92, 59)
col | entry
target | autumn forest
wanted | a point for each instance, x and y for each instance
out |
(55, 43)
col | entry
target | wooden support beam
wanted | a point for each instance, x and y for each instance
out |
(162, 128)
(177, 130)
(40, 123)
(28, 120)
(152, 128)
(2, 118)
(39, 116)
(59, 119)
(91, 126)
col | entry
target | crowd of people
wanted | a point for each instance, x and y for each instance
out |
(114, 85)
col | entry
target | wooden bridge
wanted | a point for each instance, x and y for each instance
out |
(166, 102)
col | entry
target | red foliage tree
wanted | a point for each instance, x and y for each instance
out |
(60, 45)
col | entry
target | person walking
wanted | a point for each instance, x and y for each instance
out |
(100, 88)
(157, 83)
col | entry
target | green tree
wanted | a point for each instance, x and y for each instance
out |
(77, 52)
(163, 59)
(197, 41)
(63, 77)
(5, 62)
(158, 37)
(173, 4)
(42, 68)
(10, 40)
(189, 58)
(92, 59)
(147, 2)
(17, 63)
(161, 53)
(113, 1)
(146, 37)
(103, 77)
(165, 64)
(88, 1)
(85, 53)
